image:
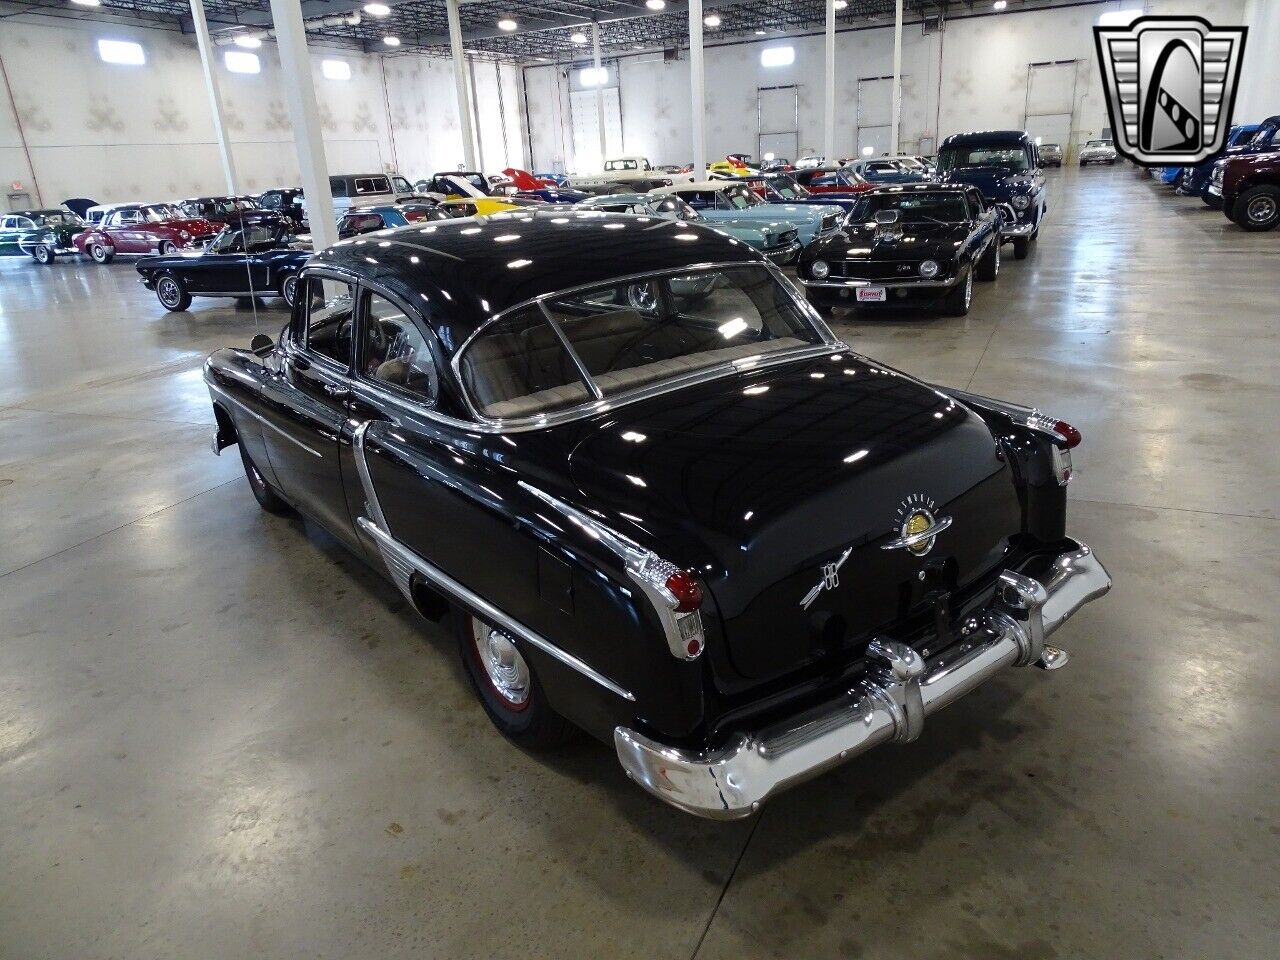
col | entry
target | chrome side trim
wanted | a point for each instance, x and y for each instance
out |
(402, 562)
(243, 408)
(890, 704)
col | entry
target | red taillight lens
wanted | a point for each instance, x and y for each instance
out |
(1070, 435)
(686, 590)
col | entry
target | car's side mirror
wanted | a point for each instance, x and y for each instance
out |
(887, 217)
(261, 343)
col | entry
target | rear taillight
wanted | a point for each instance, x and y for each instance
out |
(1067, 433)
(686, 590)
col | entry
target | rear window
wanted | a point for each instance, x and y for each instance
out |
(629, 335)
(372, 185)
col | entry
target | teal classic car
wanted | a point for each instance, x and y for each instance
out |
(724, 201)
(40, 234)
(777, 239)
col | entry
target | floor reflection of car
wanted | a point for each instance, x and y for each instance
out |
(43, 235)
(360, 220)
(260, 258)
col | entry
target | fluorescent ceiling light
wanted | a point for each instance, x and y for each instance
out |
(759, 33)
(248, 41)
(88, 3)
(777, 56)
(712, 20)
(335, 69)
(1000, 4)
(578, 37)
(655, 4)
(377, 9)
(391, 41)
(868, 151)
(506, 23)
(240, 61)
(122, 51)
(840, 4)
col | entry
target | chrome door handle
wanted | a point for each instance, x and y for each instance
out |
(335, 389)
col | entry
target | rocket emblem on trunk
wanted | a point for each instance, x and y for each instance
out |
(918, 525)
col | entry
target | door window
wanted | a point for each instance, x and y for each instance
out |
(327, 309)
(395, 351)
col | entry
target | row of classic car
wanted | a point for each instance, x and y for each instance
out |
(659, 497)
(1243, 180)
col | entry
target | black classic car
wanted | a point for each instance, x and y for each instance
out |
(707, 532)
(223, 211)
(260, 257)
(910, 243)
(1003, 165)
(43, 235)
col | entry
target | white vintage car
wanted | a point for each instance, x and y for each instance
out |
(626, 173)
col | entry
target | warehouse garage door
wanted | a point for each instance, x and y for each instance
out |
(1051, 98)
(778, 119)
(875, 115)
(586, 121)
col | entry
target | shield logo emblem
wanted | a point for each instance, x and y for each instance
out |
(1171, 87)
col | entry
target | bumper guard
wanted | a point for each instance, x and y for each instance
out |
(891, 702)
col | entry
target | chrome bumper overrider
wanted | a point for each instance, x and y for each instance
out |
(785, 254)
(891, 703)
(1016, 229)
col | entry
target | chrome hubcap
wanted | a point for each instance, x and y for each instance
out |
(502, 663)
(168, 291)
(290, 288)
(1262, 209)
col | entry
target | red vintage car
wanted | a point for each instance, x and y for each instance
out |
(141, 229)
(524, 181)
(842, 180)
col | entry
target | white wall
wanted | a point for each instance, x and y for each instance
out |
(120, 133)
(1259, 95)
(983, 63)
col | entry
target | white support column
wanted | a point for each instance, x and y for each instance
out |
(897, 81)
(215, 95)
(829, 85)
(696, 84)
(595, 56)
(300, 96)
(460, 80)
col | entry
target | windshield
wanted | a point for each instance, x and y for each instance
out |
(1098, 143)
(160, 213)
(788, 189)
(1013, 159)
(59, 216)
(677, 209)
(940, 207)
(1263, 134)
(402, 185)
(629, 335)
(740, 198)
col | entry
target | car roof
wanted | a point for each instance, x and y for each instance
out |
(920, 188)
(32, 213)
(700, 185)
(982, 137)
(512, 257)
(616, 198)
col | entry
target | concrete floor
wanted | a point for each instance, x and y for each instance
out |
(223, 737)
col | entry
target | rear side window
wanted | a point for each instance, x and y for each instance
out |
(396, 351)
(338, 186)
(518, 367)
(372, 185)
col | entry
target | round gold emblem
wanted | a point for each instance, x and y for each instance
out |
(918, 521)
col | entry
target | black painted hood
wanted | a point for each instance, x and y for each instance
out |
(906, 241)
(756, 481)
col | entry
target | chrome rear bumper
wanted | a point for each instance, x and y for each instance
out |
(891, 703)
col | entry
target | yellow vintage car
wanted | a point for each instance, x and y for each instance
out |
(480, 206)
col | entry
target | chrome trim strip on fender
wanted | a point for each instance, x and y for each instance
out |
(402, 562)
(890, 704)
(240, 404)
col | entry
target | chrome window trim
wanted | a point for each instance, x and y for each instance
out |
(499, 425)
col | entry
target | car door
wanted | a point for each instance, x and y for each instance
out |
(220, 269)
(124, 229)
(9, 237)
(304, 407)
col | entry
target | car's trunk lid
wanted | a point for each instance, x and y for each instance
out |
(759, 481)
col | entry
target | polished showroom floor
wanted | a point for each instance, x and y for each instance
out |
(223, 737)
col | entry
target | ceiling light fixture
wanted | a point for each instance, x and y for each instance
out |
(506, 23)
(578, 37)
(656, 4)
(840, 4)
(88, 3)
(391, 41)
(377, 9)
(712, 20)
(249, 42)
(1000, 4)
(760, 33)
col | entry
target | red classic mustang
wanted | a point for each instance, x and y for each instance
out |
(143, 228)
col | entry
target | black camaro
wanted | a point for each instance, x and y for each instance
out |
(907, 243)
(663, 502)
(257, 257)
